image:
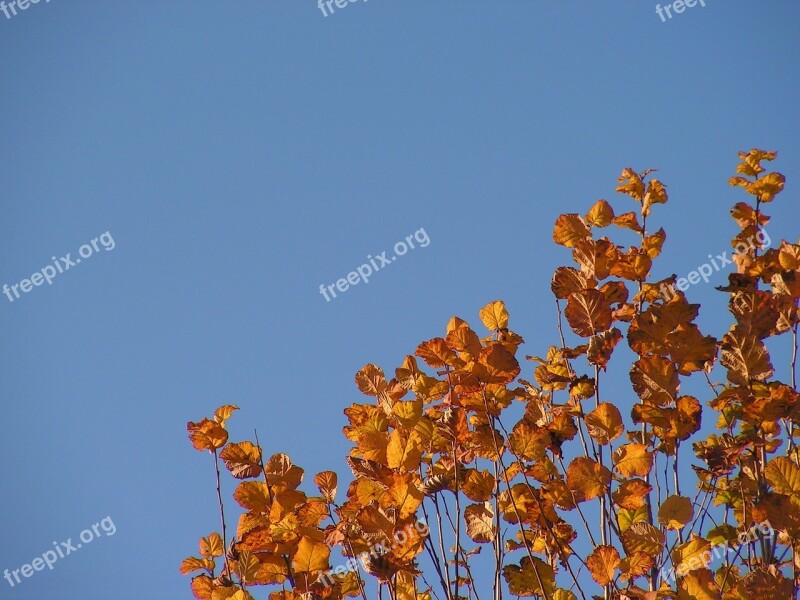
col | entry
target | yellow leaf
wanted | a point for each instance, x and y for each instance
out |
(211, 546)
(699, 585)
(494, 316)
(480, 522)
(478, 486)
(600, 215)
(404, 450)
(676, 512)
(631, 183)
(524, 579)
(192, 564)
(253, 495)
(223, 413)
(311, 556)
(643, 537)
(691, 555)
(784, 476)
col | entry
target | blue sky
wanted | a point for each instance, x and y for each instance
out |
(242, 153)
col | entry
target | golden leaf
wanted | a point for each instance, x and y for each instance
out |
(524, 579)
(676, 512)
(604, 423)
(207, 435)
(587, 479)
(311, 556)
(588, 312)
(327, 482)
(242, 459)
(633, 460)
(600, 215)
(602, 563)
(480, 522)
(371, 380)
(569, 230)
(494, 316)
(211, 546)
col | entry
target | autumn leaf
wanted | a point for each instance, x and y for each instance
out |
(438, 354)
(700, 585)
(633, 460)
(602, 563)
(311, 556)
(211, 546)
(676, 512)
(326, 483)
(604, 423)
(587, 479)
(655, 380)
(480, 522)
(242, 459)
(207, 435)
(478, 486)
(783, 475)
(567, 281)
(192, 564)
(643, 537)
(631, 494)
(371, 380)
(404, 450)
(588, 312)
(656, 194)
(530, 578)
(745, 357)
(601, 345)
(494, 316)
(569, 230)
(223, 413)
(631, 183)
(600, 215)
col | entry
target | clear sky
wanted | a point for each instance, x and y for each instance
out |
(242, 153)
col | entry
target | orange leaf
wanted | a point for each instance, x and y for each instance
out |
(588, 312)
(587, 479)
(600, 215)
(327, 482)
(602, 563)
(243, 460)
(633, 460)
(569, 230)
(207, 435)
(604, 423)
